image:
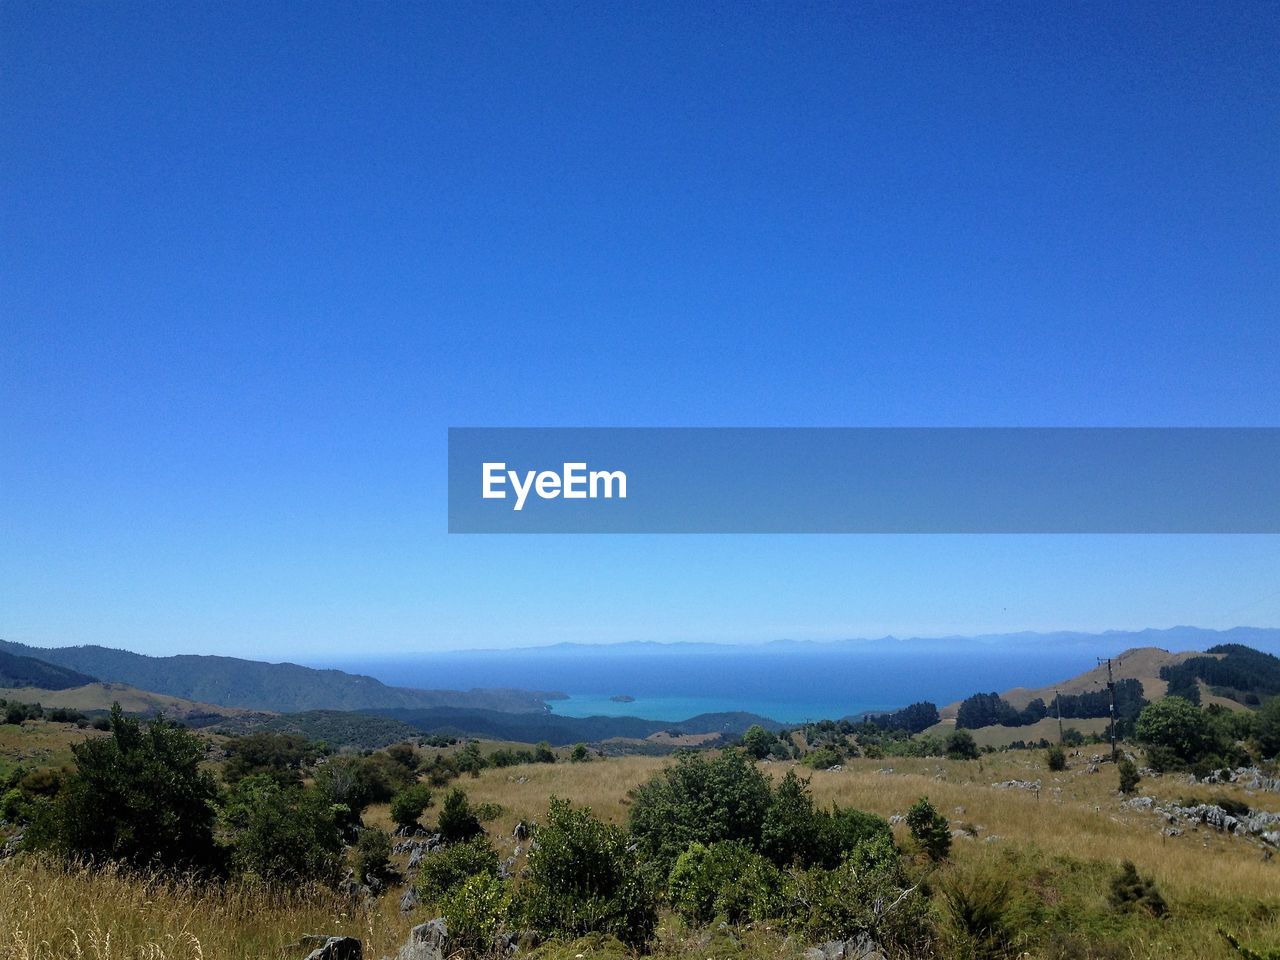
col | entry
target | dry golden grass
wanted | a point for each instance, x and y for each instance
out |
(51, 912)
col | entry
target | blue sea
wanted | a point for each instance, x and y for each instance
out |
(786, 681)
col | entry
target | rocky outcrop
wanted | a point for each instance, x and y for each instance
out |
(1032, 785)
(861, 948)
(1257, 824)
(427, 941)
(1251, 778)
(338, 948)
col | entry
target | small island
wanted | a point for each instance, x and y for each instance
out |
(623, 698)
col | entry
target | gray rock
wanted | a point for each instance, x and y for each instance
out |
(338, 948)
(427, 941)
(409, 902)
(862, 948)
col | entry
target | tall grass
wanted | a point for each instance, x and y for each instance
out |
(51, 911)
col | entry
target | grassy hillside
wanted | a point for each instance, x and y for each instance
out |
(1143, 664)
(100, 696)
(1060, 847)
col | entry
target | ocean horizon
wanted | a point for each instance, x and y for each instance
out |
(784, 681)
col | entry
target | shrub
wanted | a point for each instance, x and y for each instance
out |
(279, 755)
(344, 783)
(138, 796)
(283, 834)
(373, 856)
(869, 893)
(1128, 773)
(579, 754)
(1057, 758)
(724, 880)
(585, 877)
(1267, 729)
(488, 811)
(475, 913)
(1130, 891)
(699, 799)
(758, 742)
(930, 829)
(409, 804)
(961, 746)
(979, 904)
(824, 758)
(458, 821)
(443, 871)
(1178, 727)
(792, 831)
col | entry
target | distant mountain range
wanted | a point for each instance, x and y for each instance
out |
(232, 682)
(344, 707)
(17, 670)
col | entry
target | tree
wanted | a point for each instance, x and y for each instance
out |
(1178, 727)
(1267, 730)
(373, 856)
(584, 876)
(458, 821)
(699, 799)
(138, 796)
(961, 745)
(1128, 774)
(579, 754)
(930, 829)
(282, 834)
(408, 805)
(791, 832)
(1057, 758)
(279, 755)
(758, 742)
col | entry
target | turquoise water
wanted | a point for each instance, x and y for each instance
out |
(682, 708)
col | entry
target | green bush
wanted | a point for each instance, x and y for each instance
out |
(699, 799)
(1178, 731)
(444, 870)
(282, 834)
(1128, 774)
(373, 856)
(475, 913)
(792, 831)
(409, 804)
(960, 745)
(930, 829)
(1129, 891)
(868, 893)
(980, 906)
(1057, 758)
(724, 880)
(458, 821)
(1267, 729)
(138, 796)
(585, 877)
(279, 755)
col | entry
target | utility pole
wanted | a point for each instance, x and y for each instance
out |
(1111, 689)
(1057, 699)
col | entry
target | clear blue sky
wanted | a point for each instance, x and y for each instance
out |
(258, 257)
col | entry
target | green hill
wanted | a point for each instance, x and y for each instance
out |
(278, 687)
(17, 670)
